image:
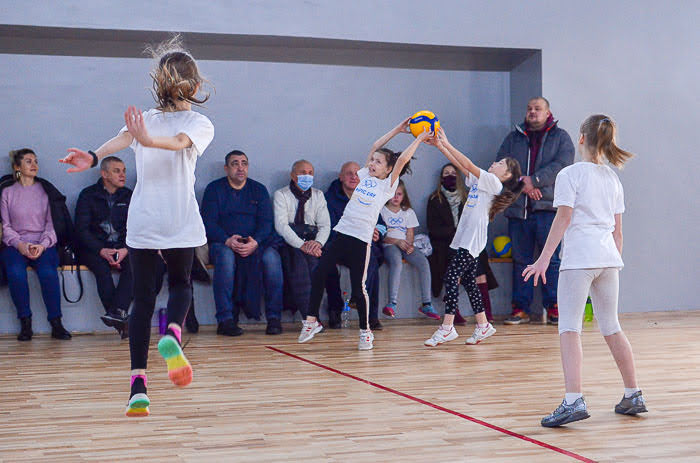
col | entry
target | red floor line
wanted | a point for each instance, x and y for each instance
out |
(438, 407)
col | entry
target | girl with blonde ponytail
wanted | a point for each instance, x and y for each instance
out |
(590, 201)
(164, 216)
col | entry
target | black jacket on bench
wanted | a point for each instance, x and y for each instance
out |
(92, 209)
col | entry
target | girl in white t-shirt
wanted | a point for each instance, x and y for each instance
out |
(401, 222)
(164, 216)
(489, 193)
(589, 200)
(378, 181)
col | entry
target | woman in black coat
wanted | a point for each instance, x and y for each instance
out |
(444, 209)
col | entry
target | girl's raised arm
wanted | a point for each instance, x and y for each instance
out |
(82, 160)
(465, 165)
(384, 139)
(407, 154)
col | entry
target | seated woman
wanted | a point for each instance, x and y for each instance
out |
(444, 209)
(29, 238)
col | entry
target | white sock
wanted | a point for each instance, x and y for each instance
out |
(630, 391)
(571, 397)
(485, 325)
(446, 328)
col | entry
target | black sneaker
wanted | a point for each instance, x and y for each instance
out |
(631, 405)
(115, 318)
(375, 325)
(191, 322)
(58, 331)
(334, 321)
(25, 333)
(274, 326)
(228, 328)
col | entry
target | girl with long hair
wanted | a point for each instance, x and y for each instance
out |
(163, 216)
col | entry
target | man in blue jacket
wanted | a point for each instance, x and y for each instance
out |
(237, 214)
(543, 149)
(337, 197)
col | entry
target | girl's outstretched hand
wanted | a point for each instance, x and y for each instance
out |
(538, 269)
(442, 137)
(81, 160)
(425, 135)
(134, 124)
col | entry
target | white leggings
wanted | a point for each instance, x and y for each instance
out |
(574, 287)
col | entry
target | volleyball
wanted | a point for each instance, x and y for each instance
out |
(422, 120)
(502, 246)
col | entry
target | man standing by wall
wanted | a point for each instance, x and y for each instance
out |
(543, 149)
(237, 214)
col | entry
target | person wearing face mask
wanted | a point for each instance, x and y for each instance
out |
(444, 209)
(303, 222)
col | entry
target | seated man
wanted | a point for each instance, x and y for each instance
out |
(100, 224)
(302, 220)
(337, 197)
(237, 215)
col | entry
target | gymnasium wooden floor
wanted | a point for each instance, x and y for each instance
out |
(261, 398)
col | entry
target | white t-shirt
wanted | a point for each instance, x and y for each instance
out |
(361, 212)
(595, 193)
(472, 230)
(163, 212)
(397, 223)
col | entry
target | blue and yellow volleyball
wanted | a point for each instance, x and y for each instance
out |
(502, 246)
(422, 120)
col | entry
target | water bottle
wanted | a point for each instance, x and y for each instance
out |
(588, 313)
(345, 314)
(162, 320)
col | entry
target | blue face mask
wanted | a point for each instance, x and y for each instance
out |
(304, 182)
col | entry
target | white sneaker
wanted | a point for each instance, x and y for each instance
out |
(480, 334)
(440, 336)
(309, 330)
(366, 340)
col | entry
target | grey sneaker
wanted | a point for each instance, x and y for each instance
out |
(631, 405)
(566, 414)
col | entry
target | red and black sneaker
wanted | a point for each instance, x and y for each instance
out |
(553, 315)
(518, 317)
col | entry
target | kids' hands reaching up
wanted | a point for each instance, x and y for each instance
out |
(134, 124)
(424, 136)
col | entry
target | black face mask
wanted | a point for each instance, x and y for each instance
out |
(449, 182)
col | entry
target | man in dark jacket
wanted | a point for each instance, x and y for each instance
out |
(237, 214)
(100, 223)
(543, 149)
(337, 197)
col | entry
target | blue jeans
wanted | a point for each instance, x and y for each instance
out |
(524, 234)
(224, 260)
(45, 266)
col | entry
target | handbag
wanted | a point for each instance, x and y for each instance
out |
(68, 258)
(304, 231)
(422, 242)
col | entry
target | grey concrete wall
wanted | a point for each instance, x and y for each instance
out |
(635, 60)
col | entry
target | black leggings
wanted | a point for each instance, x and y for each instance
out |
(355, 254)
(462, 268)
(145, 269)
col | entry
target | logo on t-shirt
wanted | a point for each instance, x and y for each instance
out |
(396, 221)
(364, 195)
(473, 196)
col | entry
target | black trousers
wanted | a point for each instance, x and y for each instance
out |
(113, 296)
(462, 268)
(145, 266)
(355, 254)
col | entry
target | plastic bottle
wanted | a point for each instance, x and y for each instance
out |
(345, 314)
(162, 320)
(588, 313)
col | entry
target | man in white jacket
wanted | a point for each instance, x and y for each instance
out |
(302, 220)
